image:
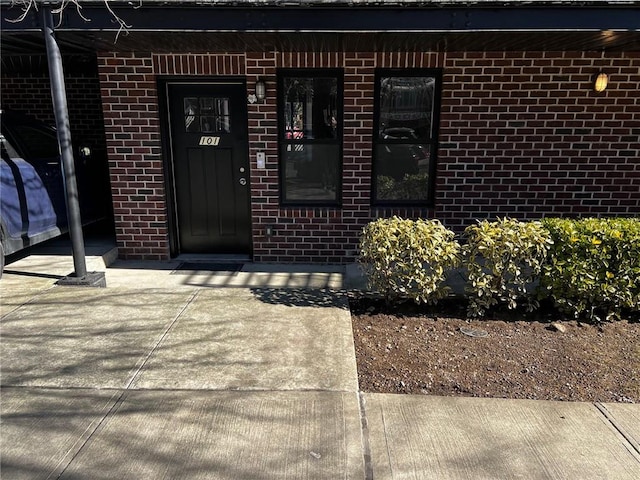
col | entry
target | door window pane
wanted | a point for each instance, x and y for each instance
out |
(191, 117)
(207, 115)
(223, 119)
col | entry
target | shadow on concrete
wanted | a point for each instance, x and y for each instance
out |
(301, 297)
(84, 337)
(33, 274)
(177, 434)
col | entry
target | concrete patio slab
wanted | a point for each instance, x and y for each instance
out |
(257, 340)
(626, 418)
(13, 295)
(42, 429)
(163, 274)
(52, 266)
(183, 341)
(226, 435)
(26, 277)
(418, 437)
(84, 337)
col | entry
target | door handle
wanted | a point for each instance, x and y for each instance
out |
(243, 181)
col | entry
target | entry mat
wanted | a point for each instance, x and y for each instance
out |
(194, 268)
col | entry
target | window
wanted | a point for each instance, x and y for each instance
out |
(310, 136)
(405, 136)
(206, 115)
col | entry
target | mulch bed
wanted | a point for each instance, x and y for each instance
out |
(436, 351)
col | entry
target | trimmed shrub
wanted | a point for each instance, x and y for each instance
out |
(503, 259)
(594, 267)
(408, 259)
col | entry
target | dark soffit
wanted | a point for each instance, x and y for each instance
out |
(87, 42)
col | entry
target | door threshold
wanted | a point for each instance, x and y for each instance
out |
(208, 258)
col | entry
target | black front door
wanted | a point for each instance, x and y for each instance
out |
(209, 147)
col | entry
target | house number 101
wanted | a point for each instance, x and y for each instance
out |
(210, 141)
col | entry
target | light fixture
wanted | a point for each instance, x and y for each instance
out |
(261, 90)
(600, 82)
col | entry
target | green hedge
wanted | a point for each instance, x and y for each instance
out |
(589, 268)
(594, 266)
(407, 259)
(503, 260)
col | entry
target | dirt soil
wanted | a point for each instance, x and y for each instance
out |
(436, 351)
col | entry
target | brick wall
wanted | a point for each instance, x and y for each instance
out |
(31, 94)
(130, 106)
(318, 234)
(521, 134)
(525, 135)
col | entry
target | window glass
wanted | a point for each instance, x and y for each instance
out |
(402, 172)
(406, 107)
(206, 115)
(310, 108)
(405, 137)
(310, 132)
(311, 172)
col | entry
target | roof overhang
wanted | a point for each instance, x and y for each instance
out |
(335, 25)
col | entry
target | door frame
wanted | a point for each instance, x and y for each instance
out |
(167, 149)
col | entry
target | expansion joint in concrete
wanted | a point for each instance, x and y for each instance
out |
(91, 430)
(164, 334)
(628, 442)
(366, 447)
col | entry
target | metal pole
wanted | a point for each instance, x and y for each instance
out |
(59, 97)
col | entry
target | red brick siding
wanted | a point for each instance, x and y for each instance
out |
(32, 95)
(522, 134)
(199, 64)
(319, 234)
(131, 117)
(525, 135)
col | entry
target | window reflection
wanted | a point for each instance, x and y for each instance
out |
(310, 108)
(207, 115)
(310, 133)
(406, 107)
(405, 138)
(402, 172)
(311, 171)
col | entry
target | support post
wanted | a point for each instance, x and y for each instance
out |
(80, 276)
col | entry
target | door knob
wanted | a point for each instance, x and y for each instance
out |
(243, 181)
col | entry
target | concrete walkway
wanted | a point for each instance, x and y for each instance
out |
(167, 375)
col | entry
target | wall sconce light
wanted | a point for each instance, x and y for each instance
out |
(261, 90)
(600, 82)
